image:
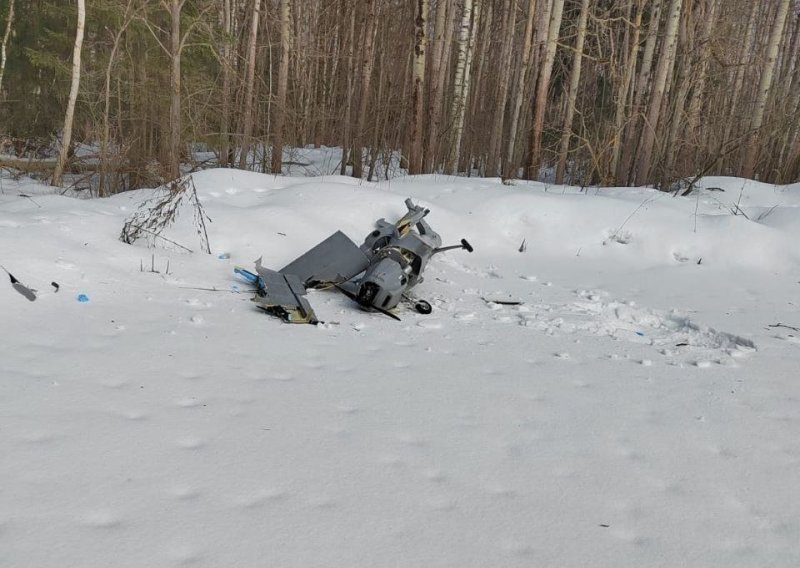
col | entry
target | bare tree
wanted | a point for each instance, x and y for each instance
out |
(461, 85)
(367, 62)
(665, 62)
(764, 88)
(572, 95)
(283, 79)
(540, 102)
(6, 37)
(519, 91)
(418, 92)
(504, 72)
(127, 18)
(250, 85)
(66, 140)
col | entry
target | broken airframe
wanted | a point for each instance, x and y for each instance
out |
(377, 275)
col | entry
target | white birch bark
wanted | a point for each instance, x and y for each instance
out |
(73, 96)
(418, 92)
(461, 83)
(764, 88)
(6, 38)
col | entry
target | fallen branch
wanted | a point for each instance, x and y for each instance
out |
(785, 326)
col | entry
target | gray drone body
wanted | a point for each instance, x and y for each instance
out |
(377, 275)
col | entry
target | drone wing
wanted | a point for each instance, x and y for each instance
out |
(283, 295)
(333, 261)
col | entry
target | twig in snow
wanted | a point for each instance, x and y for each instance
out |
(785, 326)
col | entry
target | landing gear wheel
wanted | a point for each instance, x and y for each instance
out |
(423, 307)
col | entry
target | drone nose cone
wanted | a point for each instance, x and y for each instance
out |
(383, 285)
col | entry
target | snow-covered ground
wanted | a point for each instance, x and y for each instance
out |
(637, 409)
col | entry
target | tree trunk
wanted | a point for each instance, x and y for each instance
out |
(73, 96)
(676, 121)
(624, 93)
(175, 123)
(574, 82)
(540, 102)
(6, 38)
(104, 142)
(519, 92)
(461, 83)
(227, 72)
(763, 90)
(418, 93)
(350, 91)
(496, 135)
(624, 172)
(741, 71)
(250, 85)
(438, 62)
(283, 79)
(367, 62)
(665, 62)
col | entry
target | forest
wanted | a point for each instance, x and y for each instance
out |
(128, 93)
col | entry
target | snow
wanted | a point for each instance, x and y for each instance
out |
(636, 409)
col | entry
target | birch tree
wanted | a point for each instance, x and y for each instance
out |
(6, 38)
(73, 96)
(418, 91)
(764, 89)
(461, 83)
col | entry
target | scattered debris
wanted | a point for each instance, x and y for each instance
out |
(523, 247)
(83, 298)
(502, 300)
(29, 293)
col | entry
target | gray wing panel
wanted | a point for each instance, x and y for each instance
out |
(284, 296)
(334, 260)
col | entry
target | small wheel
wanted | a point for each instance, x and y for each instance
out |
(423, 307)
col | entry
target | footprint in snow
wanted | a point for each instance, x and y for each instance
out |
(190, 443)
(100, 520)
(65, 265)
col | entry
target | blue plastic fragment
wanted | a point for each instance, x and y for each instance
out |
(83, 298)
(639, 333)
(224, 256)
(246, 274)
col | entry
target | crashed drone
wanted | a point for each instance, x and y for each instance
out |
(377, 275)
